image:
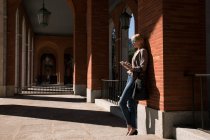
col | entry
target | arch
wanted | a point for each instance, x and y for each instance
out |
(48, 69)
(131, 5)
(122, 35)
(46, 47)
(72, 7)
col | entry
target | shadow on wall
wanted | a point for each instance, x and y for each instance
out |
(154, 93)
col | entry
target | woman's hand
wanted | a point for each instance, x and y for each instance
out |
(126, 65)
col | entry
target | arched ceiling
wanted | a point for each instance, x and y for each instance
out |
(61, 19)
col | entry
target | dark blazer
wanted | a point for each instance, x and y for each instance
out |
(140, 60)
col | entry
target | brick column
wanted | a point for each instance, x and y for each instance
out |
(176, 37)
(10, 57)
(98, 46)
(80, 47)
(2, 48)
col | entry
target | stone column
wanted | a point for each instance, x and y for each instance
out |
(23, 70)
(3, 38)
(29, 60)
(32, 61)
(17, 49)
(98, 46)
(80, 48)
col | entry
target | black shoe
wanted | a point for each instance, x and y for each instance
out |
(134, 133)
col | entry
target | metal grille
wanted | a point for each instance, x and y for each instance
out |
(112, 90)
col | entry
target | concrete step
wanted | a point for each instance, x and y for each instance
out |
(191, 134)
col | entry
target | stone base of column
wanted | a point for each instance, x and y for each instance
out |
(2, 91)
(163, 124)
(10, 91)
(79, 89)
(92, 95)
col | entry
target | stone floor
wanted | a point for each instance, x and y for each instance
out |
(59, 117)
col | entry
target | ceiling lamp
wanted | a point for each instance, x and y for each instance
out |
(43, 15)
(125, 20)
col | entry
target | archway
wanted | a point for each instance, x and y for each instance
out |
(126, 48)
(48, 69)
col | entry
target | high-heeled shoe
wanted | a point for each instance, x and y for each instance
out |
(127, 133)
(134, 133)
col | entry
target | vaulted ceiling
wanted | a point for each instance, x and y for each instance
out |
(61, 19)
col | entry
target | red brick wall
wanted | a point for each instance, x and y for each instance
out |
(184, 50)
(150, 22)
(80, 42)
(97, 43)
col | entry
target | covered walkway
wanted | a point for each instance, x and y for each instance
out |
(63, 117)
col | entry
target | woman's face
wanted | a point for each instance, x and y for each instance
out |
(138, 43)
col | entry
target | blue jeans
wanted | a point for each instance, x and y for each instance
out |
(127, 104)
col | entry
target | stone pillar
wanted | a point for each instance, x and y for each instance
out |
(80, 48)
(23, 70)
(3, 44)
(17, 49)
(29, 60)
(98, 46)
(32, 61)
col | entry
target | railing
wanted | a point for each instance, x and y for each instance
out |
(112, 90)
(45, 89)
(204, 111)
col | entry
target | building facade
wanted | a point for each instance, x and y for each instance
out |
(178, 41)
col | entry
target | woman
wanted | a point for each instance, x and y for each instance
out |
(139, 64)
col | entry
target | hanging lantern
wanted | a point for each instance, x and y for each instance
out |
(43, 16)
(125, 20)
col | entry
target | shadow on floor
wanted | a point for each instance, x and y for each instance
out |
(45, 98)
(60, 114)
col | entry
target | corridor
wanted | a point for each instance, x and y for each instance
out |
(63, 117)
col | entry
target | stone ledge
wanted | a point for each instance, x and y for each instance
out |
(191, 134)
(110, 107)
